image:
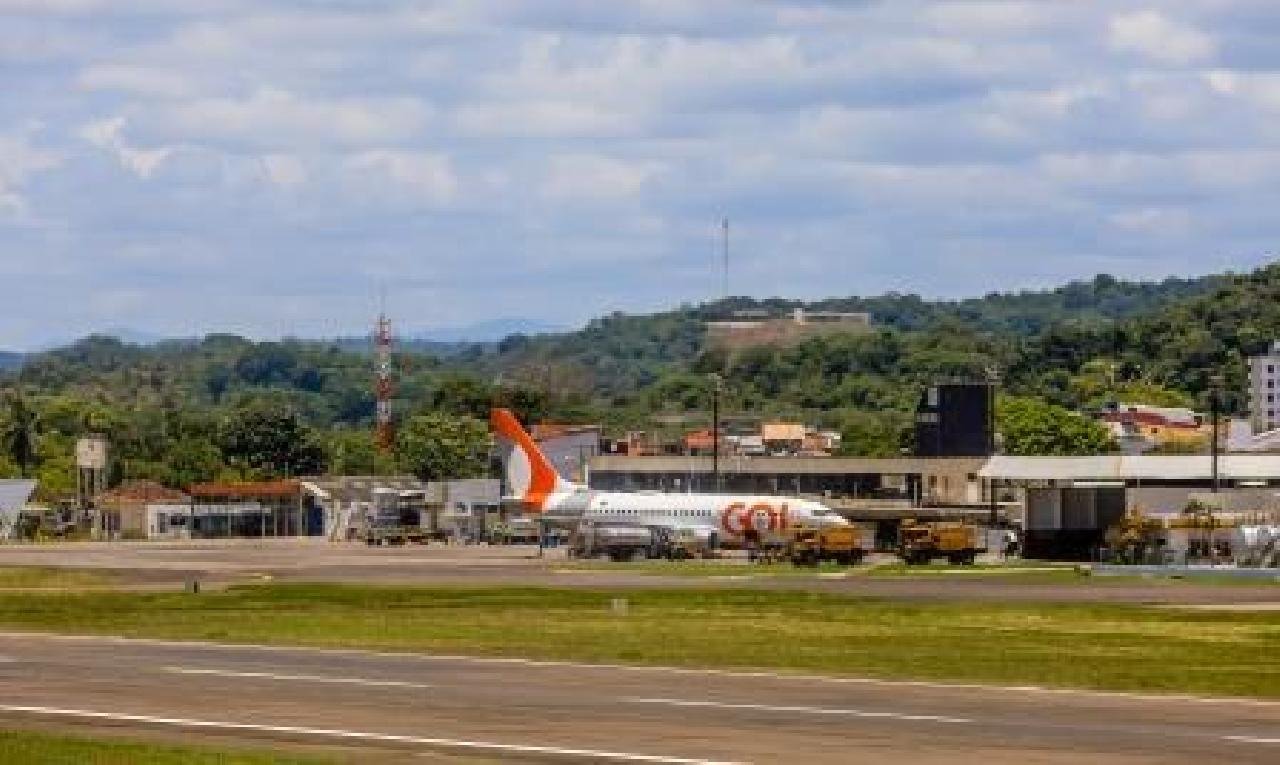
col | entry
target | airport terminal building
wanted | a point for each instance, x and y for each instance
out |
(1063, 504)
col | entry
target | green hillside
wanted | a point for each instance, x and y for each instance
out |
(1180, 346)
(620, 353)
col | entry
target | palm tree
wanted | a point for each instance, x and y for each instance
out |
(19, 430)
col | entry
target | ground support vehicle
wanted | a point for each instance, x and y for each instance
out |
(615, 541)
(841, 544)
(680, 544)
(398, 536)
(920, 543)
(515, 532)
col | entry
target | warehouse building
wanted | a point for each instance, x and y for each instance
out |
(143, 510)
(345, 507)
(249, 509)
(1070, 502)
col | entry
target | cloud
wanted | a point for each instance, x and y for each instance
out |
(1261, 89)
(279, 118)
(108, 134)
(541, 118)
(428, 177)
(136, 80)
(284, 170)
(20, 161)
(574, 156)
(590, 178)
(1152, 34)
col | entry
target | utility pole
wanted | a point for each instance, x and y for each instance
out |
(1215, 414)
(716, 386)
(993, 380)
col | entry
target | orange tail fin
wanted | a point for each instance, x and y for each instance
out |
(531, 478)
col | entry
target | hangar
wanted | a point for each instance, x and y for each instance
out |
(1071, 501)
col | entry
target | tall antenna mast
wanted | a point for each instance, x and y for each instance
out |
(384, 435)
(725, 239)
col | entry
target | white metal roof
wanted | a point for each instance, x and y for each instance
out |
(15, 492)
(13, 497)
(1131, 467)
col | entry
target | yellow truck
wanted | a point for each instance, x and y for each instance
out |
(920, 543)
(839, 544)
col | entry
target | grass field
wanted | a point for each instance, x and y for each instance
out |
(1012, 572)
(29, 748)
(23, 577)
(1096, 646)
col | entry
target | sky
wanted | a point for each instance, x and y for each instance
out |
(271, 167)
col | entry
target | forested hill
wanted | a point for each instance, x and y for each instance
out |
(1028, 312)
(622, 352)
(1182, 345)
(10, 360)
(612, 358)
(182, 411)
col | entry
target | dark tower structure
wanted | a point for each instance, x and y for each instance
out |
(955, 419)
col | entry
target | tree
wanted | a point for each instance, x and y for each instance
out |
(462, 394)
(353, 452)
(9, 468)
(872, 434)
(271, 441)
(1031, 426)
(19, 431)
(194, 460)
(437, 446)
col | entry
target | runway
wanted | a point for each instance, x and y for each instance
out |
(155, 565)
(380, 707)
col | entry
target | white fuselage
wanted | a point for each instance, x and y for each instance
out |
(729, 516)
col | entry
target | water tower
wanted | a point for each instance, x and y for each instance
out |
(91, 471)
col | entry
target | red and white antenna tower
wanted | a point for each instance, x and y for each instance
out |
(385, 434)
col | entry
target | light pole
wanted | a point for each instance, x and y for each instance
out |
(993, 380)
(717, 386)
(1215, 414)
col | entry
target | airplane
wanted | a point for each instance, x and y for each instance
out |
(711, 518)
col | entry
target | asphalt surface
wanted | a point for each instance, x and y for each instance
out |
(369, 707)
(169, 566)
(385, 707)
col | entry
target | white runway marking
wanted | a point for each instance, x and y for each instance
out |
(802, 710)
(651, 669)
(298, 678)
(447, 743)
(1251, 740)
